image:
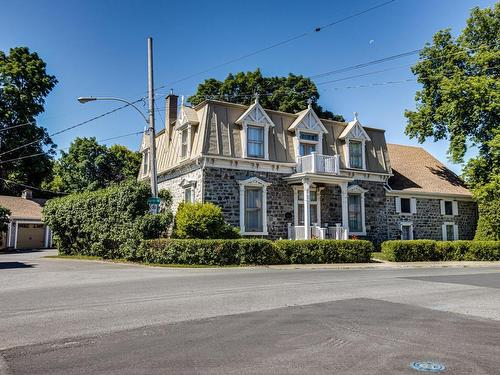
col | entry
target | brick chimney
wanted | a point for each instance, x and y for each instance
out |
(27, 194)
(170, 113)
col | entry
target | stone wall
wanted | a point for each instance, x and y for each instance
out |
(172, 181)
(221, 187)
(428, 221)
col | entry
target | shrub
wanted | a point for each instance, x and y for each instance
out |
(427, 250)
(109, 223)
(324, 251)
(208, 252)
(202, 221)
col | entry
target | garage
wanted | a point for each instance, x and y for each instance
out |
(30, 236)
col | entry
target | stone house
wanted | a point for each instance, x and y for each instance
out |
(285, 175)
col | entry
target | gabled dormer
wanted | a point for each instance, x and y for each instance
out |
(309, 131)
(355, 138)
(187, 119)
(255, 135)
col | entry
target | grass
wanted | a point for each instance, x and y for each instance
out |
(379, 256)
(120, 260)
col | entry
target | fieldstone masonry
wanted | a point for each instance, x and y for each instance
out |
(174, 180)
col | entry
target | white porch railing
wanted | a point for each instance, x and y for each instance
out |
(333, 233)
(317, 163)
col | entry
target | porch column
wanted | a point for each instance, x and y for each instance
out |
(345, 212)
(307, 203)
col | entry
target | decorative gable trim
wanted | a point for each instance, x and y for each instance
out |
(308, 120)
(255, 114)
(354, 130)
(254, 181)
(356, 189)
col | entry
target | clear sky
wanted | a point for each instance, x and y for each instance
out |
(98, 48)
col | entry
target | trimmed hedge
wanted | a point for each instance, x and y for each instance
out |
(252, 251)
(110, 223)
(429, 250)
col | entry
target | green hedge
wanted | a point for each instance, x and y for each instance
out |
(429, 250)
(110, 223)
(252, 251)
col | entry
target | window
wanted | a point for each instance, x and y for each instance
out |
(253, 209)
(308, 143)
(405, 205)
(255, 141)
(184, 143)
(313, 208)
(407, 231)
(448, 208)
(450, 232)
(354, 212)
(355, 155)
(145, 162)
(188, 195)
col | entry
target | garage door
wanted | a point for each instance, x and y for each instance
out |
(30, 236)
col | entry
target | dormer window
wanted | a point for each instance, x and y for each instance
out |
(355, 138)
(186, 123)
(309, 131)
(184, 143)
(355, 154)
(255, 141)
(308, 143)
(255, 132)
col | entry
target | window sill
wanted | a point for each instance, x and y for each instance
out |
(357, 233)
(254, 233)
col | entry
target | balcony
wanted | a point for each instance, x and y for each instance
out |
(317, 163)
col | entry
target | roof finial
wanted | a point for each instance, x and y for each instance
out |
(182, 100)
(256, 95)
(355, 116)
(309, 103)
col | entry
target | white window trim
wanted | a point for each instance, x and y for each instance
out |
(296, 203)
(188, 151)
(413, 205)
(253, 182)
(363, 153)
(454, 207)
(409, 224)
(191, 185)
(318, 143)
(245, 139)
(357, 190)
(445, 233)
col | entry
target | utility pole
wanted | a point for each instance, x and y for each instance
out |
(152, 144)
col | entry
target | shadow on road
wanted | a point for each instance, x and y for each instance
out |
(7, 265)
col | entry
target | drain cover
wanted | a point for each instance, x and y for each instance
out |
(428, 366)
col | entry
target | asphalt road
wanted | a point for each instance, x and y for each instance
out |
(79, 317)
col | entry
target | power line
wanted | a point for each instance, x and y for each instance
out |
(277, 44)
(32, 187)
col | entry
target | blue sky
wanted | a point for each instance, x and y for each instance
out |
(98, 47)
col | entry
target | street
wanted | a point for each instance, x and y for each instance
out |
(61, 316)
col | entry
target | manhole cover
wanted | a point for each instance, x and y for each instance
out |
(428, 366)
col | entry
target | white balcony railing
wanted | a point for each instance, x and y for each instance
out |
(317, 163)
(332, 233)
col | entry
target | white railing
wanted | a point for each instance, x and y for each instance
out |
(333, 233)
(317, 163)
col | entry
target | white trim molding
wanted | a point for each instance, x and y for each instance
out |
(445, 232)
(253, 182)
(188, 185)
(358, 190)
(406, 224)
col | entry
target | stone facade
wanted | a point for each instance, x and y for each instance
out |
(428, 220)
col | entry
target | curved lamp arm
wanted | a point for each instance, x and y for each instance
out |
(86, 99)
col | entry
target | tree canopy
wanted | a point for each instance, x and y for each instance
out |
(89, 166)
(24, 85)
(287, 94)
(460, 101)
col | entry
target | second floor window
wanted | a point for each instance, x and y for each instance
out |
(255, 142)
(355, 155)
(184, 143)
(405, 205)
(308, 143)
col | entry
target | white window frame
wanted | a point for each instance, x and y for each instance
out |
(413, 205)
(406, 224)
(348, 153)
(454, 207)
(253, 182)
(187, 131)
(297, 201)
(265, 143)
(357, 190)
(318, 143)
(445, 232)
(188, 185)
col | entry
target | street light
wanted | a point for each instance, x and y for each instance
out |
(152, 150)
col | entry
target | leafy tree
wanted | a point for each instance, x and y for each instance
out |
(287, 94)
(89, 166)
(460, 101)
(24, 85)
(4, 219)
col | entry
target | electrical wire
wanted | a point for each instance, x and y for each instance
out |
(33, 187)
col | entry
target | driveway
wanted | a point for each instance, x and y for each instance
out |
(74, 317)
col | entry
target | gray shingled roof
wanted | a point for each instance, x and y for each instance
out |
(21, 208)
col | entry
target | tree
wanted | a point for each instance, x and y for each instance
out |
(89, 166)
(287, 94)
(4, 219)
(460, 101)
(24, 85)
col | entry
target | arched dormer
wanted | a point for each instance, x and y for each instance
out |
(255, 135)
(309, 131)
(355, 138)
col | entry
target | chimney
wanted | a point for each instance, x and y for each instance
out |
(27, 194)
(170, 113)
